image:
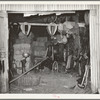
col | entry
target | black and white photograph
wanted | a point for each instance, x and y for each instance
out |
(49, 47)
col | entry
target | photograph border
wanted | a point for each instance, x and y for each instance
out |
(50, 96)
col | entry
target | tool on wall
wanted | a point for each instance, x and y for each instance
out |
(85, 77)
(2, 58)
(2, 69)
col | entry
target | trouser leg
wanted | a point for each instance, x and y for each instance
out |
(68, 61)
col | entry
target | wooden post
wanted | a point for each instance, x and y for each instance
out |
(4, 52)
(95, 48)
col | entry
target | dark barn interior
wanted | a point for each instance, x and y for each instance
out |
(49, 53)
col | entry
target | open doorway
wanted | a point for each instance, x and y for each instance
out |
(68, 51)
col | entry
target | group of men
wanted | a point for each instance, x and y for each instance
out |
(73, 46)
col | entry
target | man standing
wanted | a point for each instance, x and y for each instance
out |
(67, 25)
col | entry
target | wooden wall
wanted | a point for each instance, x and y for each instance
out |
(95, 47)
(4, 86)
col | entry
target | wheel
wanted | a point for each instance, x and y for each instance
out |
(55, 66)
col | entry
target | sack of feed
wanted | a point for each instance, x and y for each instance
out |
(42, 39)
(42, 53)
(16, 46)
(41, 44)
(36, 53)
(35, 43)
(18, 41)
(22, 36)
(39, 48)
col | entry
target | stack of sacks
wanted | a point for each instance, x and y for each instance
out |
(38, 47)
(37, 43)
(42, 39)
(24, 38)
(19, 49)
(39, 53)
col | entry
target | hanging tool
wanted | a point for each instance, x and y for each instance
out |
(85, 77)
(2, 69)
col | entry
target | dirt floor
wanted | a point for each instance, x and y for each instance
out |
(49, 83)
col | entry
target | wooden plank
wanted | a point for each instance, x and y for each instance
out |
(94, 50)
(4, 47)
(45, 24)
(43, 12)
(28, 70)
(35, 24)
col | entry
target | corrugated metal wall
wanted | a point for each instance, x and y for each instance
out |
(45, 7)
(94, 29)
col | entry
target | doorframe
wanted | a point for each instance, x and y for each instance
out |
(5, 35)
(94, 88)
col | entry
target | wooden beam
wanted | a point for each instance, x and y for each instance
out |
(4, 51)
(45, 24)
(34, 24)
(37, 12)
